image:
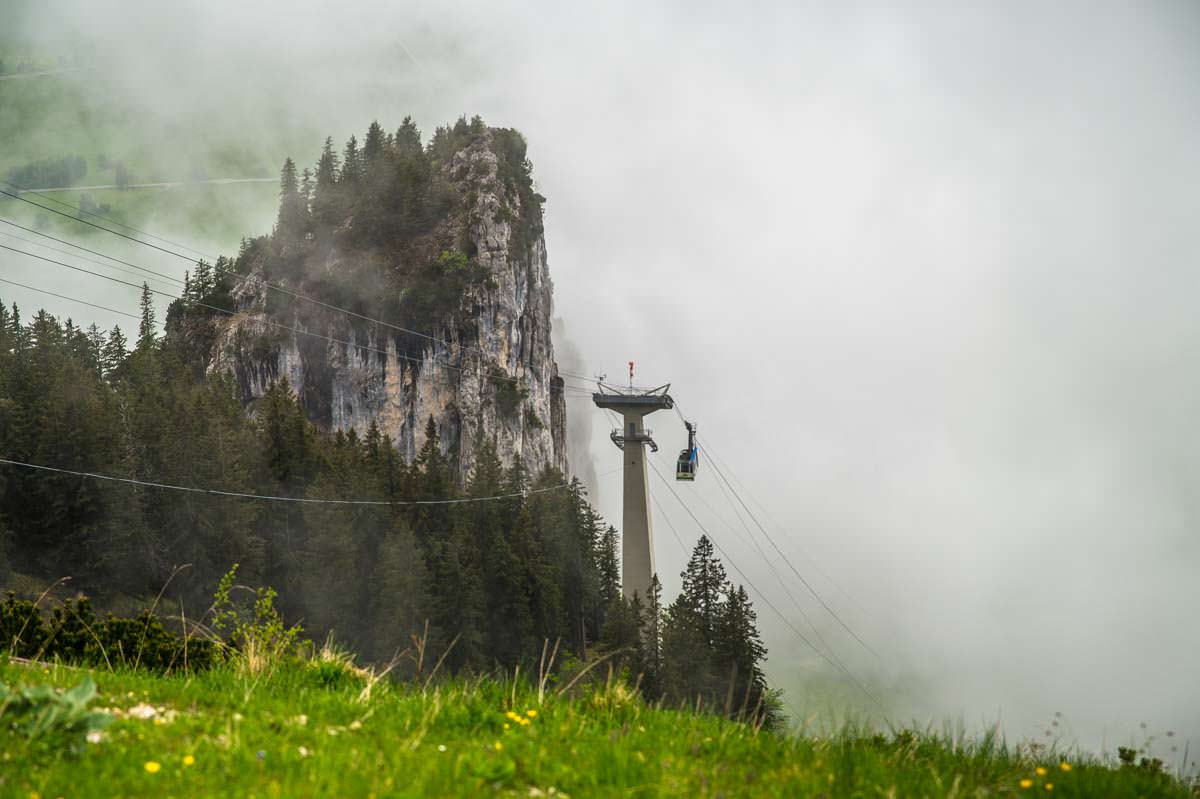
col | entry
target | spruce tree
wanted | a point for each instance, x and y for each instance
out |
(373, 144)
(147, 334)
(114, 353)
(352, 167)
(740, 652)
(293, 207)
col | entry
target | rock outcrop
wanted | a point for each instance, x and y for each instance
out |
(487, 370)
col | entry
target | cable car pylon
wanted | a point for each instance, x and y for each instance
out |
(637, 540)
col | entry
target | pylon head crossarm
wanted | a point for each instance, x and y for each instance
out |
(637, 548)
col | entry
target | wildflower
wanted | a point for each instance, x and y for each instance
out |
(498, 746)
(531, 713)
(441, 747)
(1026, 783)
(300, 720)
(1040, 771)
(152, 766)
(506, 725)
(356, 725)
(1065, 766)
(304, 752)
(143, 711)
(189, 760)
(95, 737)
(1049, 786)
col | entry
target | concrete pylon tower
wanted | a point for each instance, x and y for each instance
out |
(637, 540)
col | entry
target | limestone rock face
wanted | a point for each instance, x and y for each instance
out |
(489, 370)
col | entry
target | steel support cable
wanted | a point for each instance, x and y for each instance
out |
(779, 577)
(712, 457)
(156, 274)
(302, 500)
(770, 563)
(163, 280)
(108, 219)
(756, 590)
(231, 313)
(133, 316)
(36, 232)
(832, 658)
(745, 491)
(253, 281)
(69, 299)
(775, 546)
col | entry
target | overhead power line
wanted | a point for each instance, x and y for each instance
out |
(218, 309)
(302, 500)
(246, 278)
(108, 219)
(69, 299)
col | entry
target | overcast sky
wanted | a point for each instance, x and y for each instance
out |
(926, 279)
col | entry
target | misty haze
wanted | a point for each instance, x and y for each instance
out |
(924, 280)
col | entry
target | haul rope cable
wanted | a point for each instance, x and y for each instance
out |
(304, 500)
(109, 219)
(854, 680)
(163, 279)
(775, 571)
(178, 281)
(70, 299)
(816, 566)
(786, 560)
(568, 390)
(754, 587)
(832, 659)
(244, 278)
(235, 313)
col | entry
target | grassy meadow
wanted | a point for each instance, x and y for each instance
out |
(319, 727)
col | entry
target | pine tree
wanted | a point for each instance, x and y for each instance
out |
(293, 208)
(373, 144)
(114, 353)
(704, 582)
(352, 167)
(147, 333)
(739, 653)
(326, 197)
(652, 641)
(610, 571)
(408, 138)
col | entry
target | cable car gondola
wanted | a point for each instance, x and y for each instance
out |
(685, 468)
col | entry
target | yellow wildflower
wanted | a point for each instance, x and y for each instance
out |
(506, 725)
(152, 766)
(498, 746)
(1065, 766)
(1041, 772)
(1026, 783)
(189, 760)
(1049, 786)
(531, 713)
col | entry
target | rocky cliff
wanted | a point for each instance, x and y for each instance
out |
(481, 366)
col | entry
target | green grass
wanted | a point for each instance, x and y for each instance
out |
(308, 731)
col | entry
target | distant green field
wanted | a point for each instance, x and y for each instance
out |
(86, 114)
(211, 218)
(310, 729)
